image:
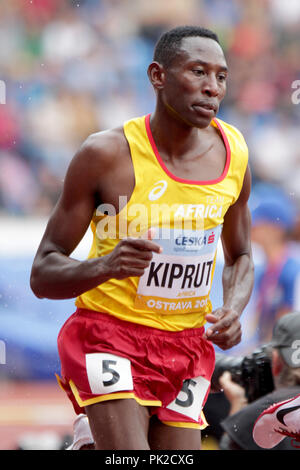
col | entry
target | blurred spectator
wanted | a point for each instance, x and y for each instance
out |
(238, 425)
(278, 285)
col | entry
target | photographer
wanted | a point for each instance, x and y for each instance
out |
(285, 359)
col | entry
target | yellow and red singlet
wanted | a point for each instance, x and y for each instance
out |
(187, 217)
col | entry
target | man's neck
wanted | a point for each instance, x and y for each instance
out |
(173, 136)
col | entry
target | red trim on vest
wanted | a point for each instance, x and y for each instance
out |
(182, 180)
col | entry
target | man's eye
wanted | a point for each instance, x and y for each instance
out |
(222, 77)
(198, 72)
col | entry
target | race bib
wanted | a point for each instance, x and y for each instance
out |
(179, 279)
(190, 399)
(108, 373)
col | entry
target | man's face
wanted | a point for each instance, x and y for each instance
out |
(195, 82)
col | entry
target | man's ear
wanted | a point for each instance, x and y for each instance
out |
(277, 363)
(156, 74)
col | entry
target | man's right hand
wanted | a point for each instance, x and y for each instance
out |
(130, 257)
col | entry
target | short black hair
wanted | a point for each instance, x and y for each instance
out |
(169, 43)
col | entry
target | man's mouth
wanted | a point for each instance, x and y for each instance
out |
(206, 105)
(205, 108)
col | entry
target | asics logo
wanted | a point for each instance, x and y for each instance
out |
(158, 190)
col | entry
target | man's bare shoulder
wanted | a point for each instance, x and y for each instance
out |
(97, 161)
(104, 148)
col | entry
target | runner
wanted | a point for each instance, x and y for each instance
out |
(159, 193)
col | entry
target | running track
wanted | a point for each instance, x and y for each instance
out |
(32, 407)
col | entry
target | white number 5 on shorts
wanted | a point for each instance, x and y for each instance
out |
(189, 400)
(108, 373)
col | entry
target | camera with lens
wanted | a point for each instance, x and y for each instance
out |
(252, 372)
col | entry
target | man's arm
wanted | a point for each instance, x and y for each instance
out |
(238, 273)
(54, 274)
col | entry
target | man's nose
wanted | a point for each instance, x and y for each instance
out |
(210, 86)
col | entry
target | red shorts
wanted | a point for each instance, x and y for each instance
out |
(104, 358)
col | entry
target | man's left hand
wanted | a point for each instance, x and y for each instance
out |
(225, 331)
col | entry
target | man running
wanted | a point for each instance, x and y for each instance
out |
(159, 193)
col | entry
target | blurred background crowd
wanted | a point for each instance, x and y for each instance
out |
(74, 67)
